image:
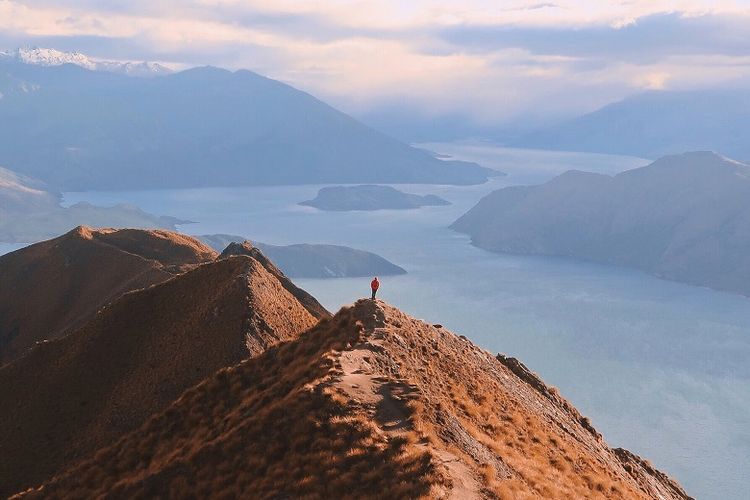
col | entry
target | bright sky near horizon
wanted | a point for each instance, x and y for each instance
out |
(491, 60)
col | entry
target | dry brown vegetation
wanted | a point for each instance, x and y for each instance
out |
(368, 404)
(55, 286)
(307, 300)
(67, 398)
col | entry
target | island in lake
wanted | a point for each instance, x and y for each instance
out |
(370, 197)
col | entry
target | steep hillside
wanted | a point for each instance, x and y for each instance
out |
(67, 398)
(303, 260)
(369, 404)
(307, 300)
(684, 217)
(53, 286)
(200, 127)
(655, 124)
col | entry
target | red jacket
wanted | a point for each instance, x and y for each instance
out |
(375, 284)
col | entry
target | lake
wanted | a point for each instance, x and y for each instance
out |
(660, 367)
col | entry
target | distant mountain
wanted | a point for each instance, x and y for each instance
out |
(51, 57)
(370, 404)
(655, 124)
(684, 217)
(66, 398)
(315, 261)
(21, 194)
(29, 212)
(54, 286)
(412, 124)
(370, 197)
(77, 129)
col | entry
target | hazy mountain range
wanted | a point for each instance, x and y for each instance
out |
(30, 212)
(655, 124)
(78, 129)
(51, 57)
(684, 217)
(227, 380)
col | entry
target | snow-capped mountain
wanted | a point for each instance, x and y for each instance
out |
(51, 57)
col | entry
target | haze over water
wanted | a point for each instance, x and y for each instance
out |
(660, 367)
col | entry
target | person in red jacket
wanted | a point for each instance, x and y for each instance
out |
(374, 284)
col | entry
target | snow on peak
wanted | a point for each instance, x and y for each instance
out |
(52, 57)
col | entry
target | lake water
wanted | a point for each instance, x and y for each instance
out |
(660, 367)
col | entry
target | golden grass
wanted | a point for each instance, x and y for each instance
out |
(279, 426)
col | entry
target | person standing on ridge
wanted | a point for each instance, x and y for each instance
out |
(374, 284)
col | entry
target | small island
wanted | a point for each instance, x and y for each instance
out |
(315, 261)
(370, 197)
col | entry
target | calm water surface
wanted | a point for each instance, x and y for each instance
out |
(661, 368)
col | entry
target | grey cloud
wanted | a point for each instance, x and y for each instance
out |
(649, 39)
(308, 26)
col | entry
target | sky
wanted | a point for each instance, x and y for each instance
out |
(493, 61)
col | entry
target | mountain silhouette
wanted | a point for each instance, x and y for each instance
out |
(78, 129)
(655, 124)
(684, 217)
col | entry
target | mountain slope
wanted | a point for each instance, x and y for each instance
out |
(56, 285)
(655, 124)
(369, 404)
(67, 398)
(684, 217)
(308, 301)
(78, 130)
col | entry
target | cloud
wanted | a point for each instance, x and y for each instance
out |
(475, 58)
(646, 39)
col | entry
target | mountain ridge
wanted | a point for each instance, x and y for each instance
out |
(654, 124)
(39, 56)
(202, 127)
(370, 402)
(134, 358)
(305, 260)
(36, 293)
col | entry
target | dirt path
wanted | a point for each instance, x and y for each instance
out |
(370, 378)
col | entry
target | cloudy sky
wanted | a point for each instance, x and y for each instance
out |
(494, 61)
